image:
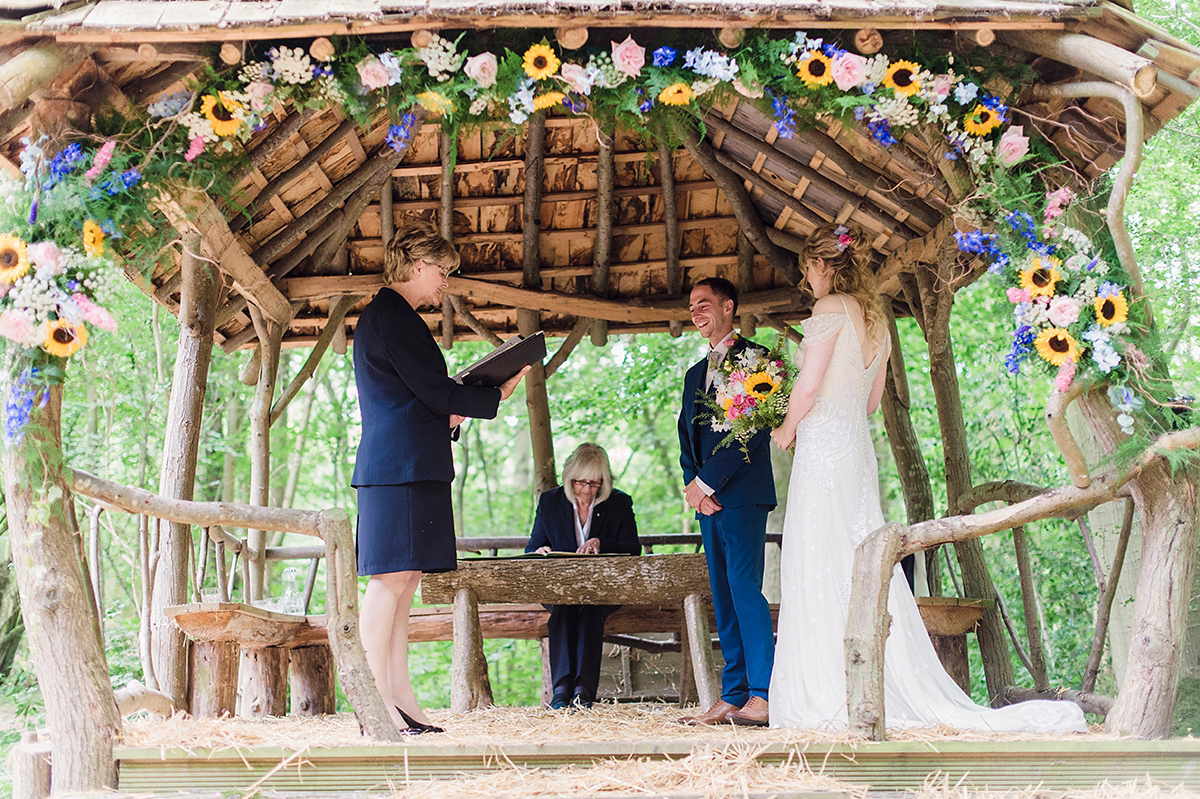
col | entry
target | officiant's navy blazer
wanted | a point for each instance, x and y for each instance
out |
(406, 398)
(612, 522)
(735, 482)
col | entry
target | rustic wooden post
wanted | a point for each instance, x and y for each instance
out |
(537, 400)
(602, 248)
(470, 687)
(688, 695)
(977, 581)
(1033, 628)
(264, 682)
(446, 228)
(30, 764)
(699, 639)
(56, 604)
(177, 478)
(311, 679)
(666, 170)
(867, 624)
(212, 683)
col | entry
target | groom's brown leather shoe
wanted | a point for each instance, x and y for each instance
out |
(717, 714)
(756, 713)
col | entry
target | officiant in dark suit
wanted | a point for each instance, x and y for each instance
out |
(731, 496)
(585, 515)
(410, 409)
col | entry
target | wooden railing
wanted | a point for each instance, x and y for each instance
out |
(331, 527)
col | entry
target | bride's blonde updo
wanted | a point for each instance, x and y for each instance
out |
(845, 252)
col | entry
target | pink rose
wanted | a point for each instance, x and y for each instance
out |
(1018, 295)
(16, 326)
(577, 78)
(481, 69)
(849, 70)
(1013, 145)
(1066, 373)
(628, 57)
(46, 256)
(942, 84)
(1063, 311)
(372, 73)
(257, 91)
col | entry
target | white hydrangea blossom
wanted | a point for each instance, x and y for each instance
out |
(291, 64)
(198, 126)
(876, 71)
(255, 71)
(440, 58)
(897, 110)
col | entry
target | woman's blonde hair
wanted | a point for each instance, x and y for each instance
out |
(588, 462)
(845, 253)
(416, 241)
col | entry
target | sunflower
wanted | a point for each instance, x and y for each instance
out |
(760, 385)
(13, 261)
(548, 100)
(902, 79)
(676, 94)
(1111, 310)
(93, 238)
(63, 338)
(540, 62)
(1056, 345)
(222, 113)
(982, 121)
(435, 103)
(1041, 277)
(816, 69)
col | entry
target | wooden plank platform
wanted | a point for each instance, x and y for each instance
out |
(1069, 764)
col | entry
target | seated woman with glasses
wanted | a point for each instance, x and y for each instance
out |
(588, 516)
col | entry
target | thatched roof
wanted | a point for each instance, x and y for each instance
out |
(899, 195)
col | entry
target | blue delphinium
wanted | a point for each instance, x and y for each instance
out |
(19, 406)
(398, 136)
(664, 57)
(62, 164)
(785, 116)
(881, 129)
(1021, 347)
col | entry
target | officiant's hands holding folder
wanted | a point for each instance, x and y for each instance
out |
(506, 390)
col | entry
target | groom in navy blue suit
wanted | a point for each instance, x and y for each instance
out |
(732, 498)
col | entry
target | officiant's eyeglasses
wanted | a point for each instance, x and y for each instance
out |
(589, 483)
(445, 270)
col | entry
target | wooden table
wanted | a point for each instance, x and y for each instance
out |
(585, 580)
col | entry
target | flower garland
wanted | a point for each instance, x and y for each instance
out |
(56, 268)
(1070, 306)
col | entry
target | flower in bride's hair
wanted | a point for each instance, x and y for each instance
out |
(844, 239)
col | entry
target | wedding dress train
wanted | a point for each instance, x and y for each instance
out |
(832, 504)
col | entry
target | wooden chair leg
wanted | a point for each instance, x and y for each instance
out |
(212, 679)
(469, 684)
(311, 678)
(264, 682)
(547, 688)
(695, 616)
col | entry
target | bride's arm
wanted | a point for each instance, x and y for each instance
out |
(880, 378)
(817, 356)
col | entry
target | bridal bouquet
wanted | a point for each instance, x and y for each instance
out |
(752, 393)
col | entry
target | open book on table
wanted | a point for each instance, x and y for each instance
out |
(505, 361)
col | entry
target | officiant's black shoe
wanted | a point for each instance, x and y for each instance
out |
(717, 714)
(560, 701)
(756, 713)
(415, 727)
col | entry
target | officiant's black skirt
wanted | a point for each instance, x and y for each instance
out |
(405, 527)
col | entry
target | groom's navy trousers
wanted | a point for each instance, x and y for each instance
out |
(734, 539)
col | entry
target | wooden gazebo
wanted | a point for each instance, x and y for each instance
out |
(564, 227)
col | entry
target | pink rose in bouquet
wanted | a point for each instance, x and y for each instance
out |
(482, 69)
(372, 73)
(849, 70)
(628, 57)
(1013, 145)
(1063, 311)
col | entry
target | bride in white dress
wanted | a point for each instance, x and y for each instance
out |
(833, 503)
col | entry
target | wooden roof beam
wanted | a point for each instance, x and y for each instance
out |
(1092, 55)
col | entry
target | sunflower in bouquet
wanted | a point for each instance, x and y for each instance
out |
(752, 390)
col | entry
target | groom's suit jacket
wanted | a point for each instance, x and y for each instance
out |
(735, 482)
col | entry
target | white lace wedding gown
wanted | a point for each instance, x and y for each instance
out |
(832, 504)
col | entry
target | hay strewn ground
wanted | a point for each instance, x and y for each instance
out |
(722, 764)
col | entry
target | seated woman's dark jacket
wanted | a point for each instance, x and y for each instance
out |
(612, 522)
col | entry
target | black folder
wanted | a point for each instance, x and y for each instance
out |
(505, 361)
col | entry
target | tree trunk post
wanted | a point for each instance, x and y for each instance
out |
(270, 334)
(212, 684)
(177, 479)
(977, 581)
(699, 650)
(311, 679)
(29, 763)
(867, 624)
(264, 682)
(56, 603)
(470, 687)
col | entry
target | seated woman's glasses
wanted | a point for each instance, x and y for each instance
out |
(588, 483)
